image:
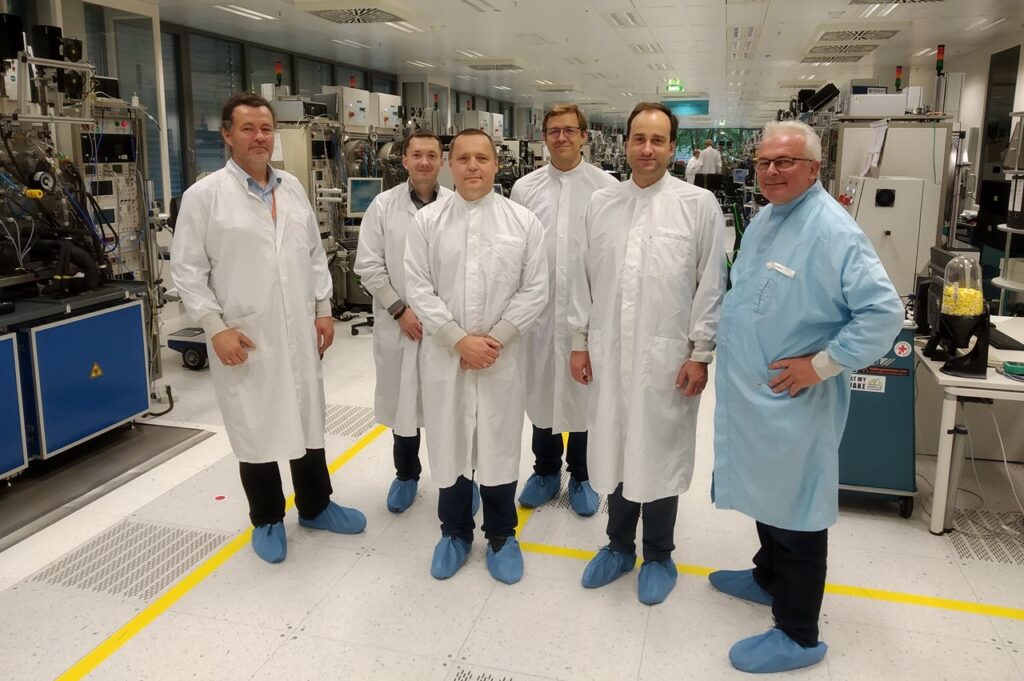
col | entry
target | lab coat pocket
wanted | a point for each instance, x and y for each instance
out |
(663, 359)
(506, 258)
(668, 257)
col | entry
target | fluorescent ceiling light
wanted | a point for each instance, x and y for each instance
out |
(988, 26)
(888, 10)
(502, 87)
(403, 26)
(921, 53)
(351, 43)
(544, 82)
(466, 77)
(627, 94)
(473, 54)
(421, 64)
(869, 11)
(245, 12)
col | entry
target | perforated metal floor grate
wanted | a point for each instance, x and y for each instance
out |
(981, 537)
(132, 559)
(348, 420)
(561, 500)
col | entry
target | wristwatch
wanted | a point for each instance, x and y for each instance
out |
(401, 311)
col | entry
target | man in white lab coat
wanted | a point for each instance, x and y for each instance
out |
(710, 159)
(645, 300)
(249, 267)
(810, 302)
(693, 166)
(476, 276)
(558, 194)
(397, 332)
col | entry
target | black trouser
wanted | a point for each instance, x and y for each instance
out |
(406, 452)
(262, 485)
(791, 567)
(455, 510)
(547, 450)
(659, 525)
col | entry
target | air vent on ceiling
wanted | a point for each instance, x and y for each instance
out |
(845, 59)
(498, 64)
(578, 60)
(843, 49)
(535, 38)
(355, 11)
(598, 76)
(558, 87)
(625, 19)
(482, 5)
(856, 35)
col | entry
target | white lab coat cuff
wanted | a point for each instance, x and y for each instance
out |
(323, 308)
(450, 334)
(504, 332)
(579, 342)
(386, 296)
(212, 324)
(703, 352)
(825, 366)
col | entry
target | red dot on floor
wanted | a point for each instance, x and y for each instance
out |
(219, 497)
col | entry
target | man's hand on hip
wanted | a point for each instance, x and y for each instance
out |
(230, 346)
(324, 333)
(797, 374)
(692, 378)
(410, 325)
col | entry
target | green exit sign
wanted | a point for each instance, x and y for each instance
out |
(674, 86)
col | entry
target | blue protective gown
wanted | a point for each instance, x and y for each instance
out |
(807, 279)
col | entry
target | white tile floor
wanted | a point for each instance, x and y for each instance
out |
(365, 607)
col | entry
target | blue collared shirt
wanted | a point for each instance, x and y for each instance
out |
(264, 193)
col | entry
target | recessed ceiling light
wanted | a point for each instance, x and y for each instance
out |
(869, 11)
(245, 12)
(627, 94)
(421, 64)
(544, 82)
(466, 77)
(473, 54)
(888, 10)
(403, 26)
(502, 87)
(351, 43)
(988, 26)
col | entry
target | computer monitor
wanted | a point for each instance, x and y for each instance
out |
(497, 189)
(361, 192)
(739, 176)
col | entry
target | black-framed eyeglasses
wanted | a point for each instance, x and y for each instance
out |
(553, 133)
(784, 163)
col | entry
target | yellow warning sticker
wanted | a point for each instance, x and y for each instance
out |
(96, 370)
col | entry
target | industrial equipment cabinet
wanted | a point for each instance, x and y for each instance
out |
(13, 451)
(83, 375)
(877, 452)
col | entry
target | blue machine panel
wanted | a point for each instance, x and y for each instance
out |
(89, 374)
(13, 454)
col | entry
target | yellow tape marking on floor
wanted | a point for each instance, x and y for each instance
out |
(837, 589)
(97, 655)
(523, 515)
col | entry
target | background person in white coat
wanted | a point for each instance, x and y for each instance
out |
(397, 332)
(645, 303)
(249, 266)
(693, 167)
(477, 277)
(558, 194)
(710, 159)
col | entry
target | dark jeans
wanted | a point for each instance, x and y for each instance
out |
(791, 567)
(659, 525)
(262, 485)
(406, 452)
(547, 448)
(455, 510)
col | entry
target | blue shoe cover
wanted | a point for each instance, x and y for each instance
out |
(268, 541)
(449, 555)
(773, 651)
(582, 498)
(538, 489)
(741, 584)
(338, 519)
(507, 564)
(606, 567)
(657, 579)
(401, 495)
(476, 498)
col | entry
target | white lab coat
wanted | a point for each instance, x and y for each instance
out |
(234, 268)
(693, 166)
(559, 199)
(474, 268)
(645, 299)
(380, 263)
(711, 161)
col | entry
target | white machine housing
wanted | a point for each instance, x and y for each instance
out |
(353, 109)
(481, 120)
(902, 230)
(384, 112)
(497, 132)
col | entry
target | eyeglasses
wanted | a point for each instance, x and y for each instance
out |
(553, 133)
(763, 164)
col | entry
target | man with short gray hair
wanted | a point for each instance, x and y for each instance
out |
(809, 303)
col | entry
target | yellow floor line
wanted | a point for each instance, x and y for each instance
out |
(97, 655)
(836, 589)
(524, 515)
